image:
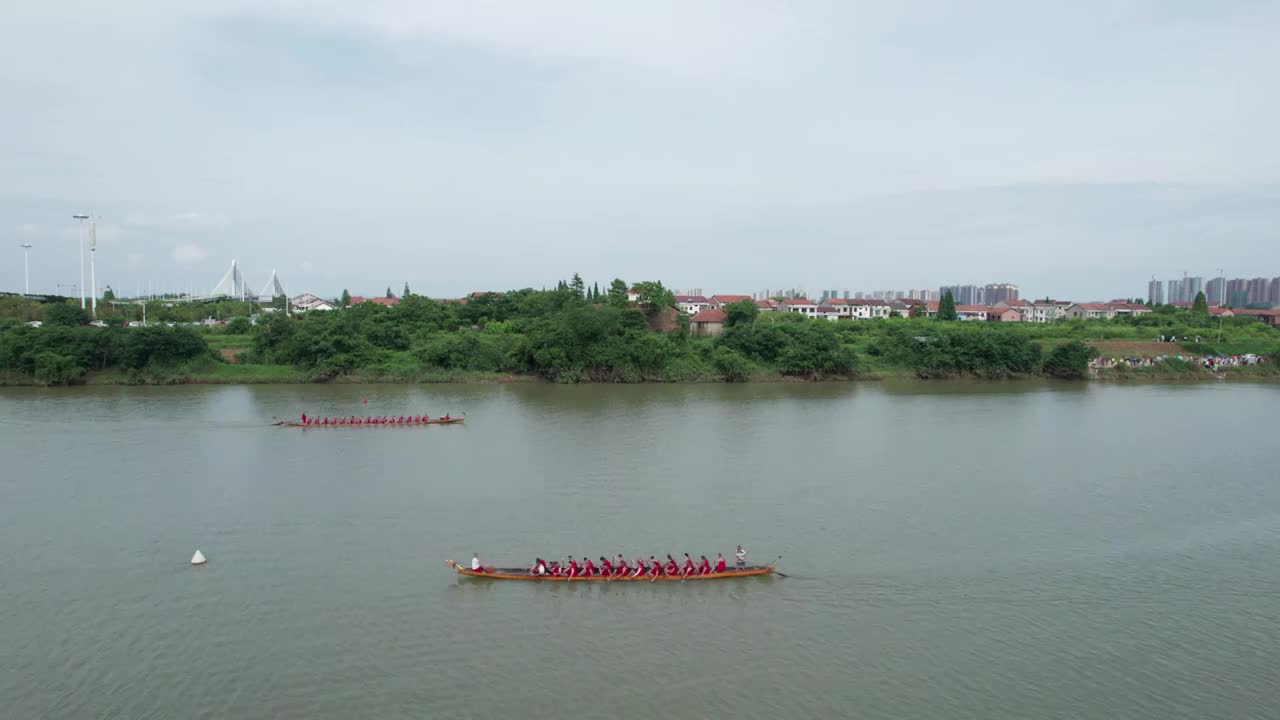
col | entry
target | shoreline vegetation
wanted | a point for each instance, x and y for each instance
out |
(575, 334)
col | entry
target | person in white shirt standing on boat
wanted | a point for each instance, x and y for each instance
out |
(740, 556)
(475, 563)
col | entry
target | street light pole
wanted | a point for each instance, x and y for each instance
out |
(81, 217)
(26, 268)
(93, 266)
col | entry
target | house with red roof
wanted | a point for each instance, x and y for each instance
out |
(1090, 311)
(708, 323)
(692, 304)
(1270, 317)
(870, 309)
(384, 301)
(719, 301)
(1129, 309)
(1004, 314)
(805, 307)
(767, 305)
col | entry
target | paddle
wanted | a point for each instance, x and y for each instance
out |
(775, 572)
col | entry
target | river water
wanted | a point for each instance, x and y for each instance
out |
(954, 551)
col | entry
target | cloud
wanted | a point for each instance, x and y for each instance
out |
(438, 141)
(175, 222)
(189, 253)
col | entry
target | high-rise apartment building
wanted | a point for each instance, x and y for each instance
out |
(1193, 286)
(962, 294)
(997, 293)
(1258, 291)
(1215, 291)
(1237, 292)
(1155, 292)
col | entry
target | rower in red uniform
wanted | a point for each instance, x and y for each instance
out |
(606, 567)
(655, 567)
(621, 569)
(555, 569)
(672, 567)
(719, 563)
(688, 566)
(704, 568)
(573, 567)
(639, 569)
(588, 567)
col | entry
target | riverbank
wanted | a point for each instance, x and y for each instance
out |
(248, 374)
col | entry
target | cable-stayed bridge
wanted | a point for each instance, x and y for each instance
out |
(233, 286)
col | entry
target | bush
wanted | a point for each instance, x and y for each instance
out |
(1069, 360)
(54, 369)
(733, 366)
(64, 315)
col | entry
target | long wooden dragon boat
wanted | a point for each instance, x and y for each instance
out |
(432, 421)
(498, 573)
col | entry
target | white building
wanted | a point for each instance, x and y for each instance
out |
(307, 302)
(692, 304)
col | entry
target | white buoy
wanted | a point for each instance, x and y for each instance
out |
(198, 558)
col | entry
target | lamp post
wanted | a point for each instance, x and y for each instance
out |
(26, 268)
(93, 272)
(81, 217)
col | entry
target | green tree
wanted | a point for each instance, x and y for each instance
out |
(1069, 360)
(239, 326)
(389, 293)
(653, 296)
(577, 285)
(743, 312)
(108, 294)
(65, 315)
(732, 365)
(618, 293)
(52, 368)
(1201, 305)
(595, 291)
(405, 294)
(947, 308)
(345, 300)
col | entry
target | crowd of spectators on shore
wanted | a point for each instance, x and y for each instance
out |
(1211, 362)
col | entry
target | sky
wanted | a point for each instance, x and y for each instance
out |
(1072, 148)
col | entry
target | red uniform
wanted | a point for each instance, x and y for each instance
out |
(606, 568)
(622, 568)
(655, 569)
(573, 568)
(705, 567)
(589, 569)
(555, 569)
(720, 565)
(688, 566)
(672, 568)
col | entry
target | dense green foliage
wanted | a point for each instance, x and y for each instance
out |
(572, 333)
(743, 312)
(59, 355)
(1201, 304)
(1069, 360)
